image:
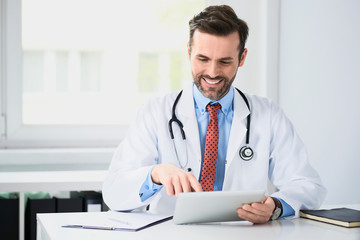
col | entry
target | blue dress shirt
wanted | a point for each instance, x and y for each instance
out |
(225, 116)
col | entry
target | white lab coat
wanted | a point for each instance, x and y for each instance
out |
(279, 154)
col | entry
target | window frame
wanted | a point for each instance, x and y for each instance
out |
(14, 133)
(263, 44)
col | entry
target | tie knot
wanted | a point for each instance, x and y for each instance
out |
(212, 109)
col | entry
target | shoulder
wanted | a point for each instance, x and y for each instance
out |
(265, 108)
(262, 103)
(158, 106)
(161, 102)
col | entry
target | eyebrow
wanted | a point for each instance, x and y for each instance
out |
(221, 59)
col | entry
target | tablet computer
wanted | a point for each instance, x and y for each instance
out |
(218, 206)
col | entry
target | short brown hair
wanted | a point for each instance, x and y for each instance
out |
(219, 20)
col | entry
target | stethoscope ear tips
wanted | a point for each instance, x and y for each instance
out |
(246, 153)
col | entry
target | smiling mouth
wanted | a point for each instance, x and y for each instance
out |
(212, 82)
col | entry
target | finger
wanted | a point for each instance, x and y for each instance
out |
(169, 187)
(262, 207)
(258, 209)
(268, 206)
(195, 185)
(251, 217)
(185, 183)
(177, 185)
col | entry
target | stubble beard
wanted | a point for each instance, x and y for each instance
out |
(212, 93)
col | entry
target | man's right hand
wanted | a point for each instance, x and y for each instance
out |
(175, 179)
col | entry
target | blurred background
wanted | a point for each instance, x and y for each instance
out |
(74, 73)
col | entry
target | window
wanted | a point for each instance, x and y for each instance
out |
(68, 66)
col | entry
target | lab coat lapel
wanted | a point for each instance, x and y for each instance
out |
(186, 113)
(238, 127)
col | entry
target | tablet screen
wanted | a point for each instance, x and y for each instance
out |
(218, 206)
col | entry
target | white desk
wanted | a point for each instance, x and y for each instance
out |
(48, 181)
(49, 227)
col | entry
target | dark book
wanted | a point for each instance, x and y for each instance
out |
(33, 207)
(345, 217)
(69, 204)
(92, 200)
(9, 218)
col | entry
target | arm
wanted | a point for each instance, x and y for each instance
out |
(137, 156)
(298, 184)
(289, 168)
(149, 188)
(132, 161)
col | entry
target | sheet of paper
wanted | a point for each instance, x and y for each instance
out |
(121, 221)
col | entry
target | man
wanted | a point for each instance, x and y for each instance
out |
(148, 167)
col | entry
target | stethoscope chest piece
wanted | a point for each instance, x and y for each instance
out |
(246, 153)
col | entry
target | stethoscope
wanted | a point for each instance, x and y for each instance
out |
(246, 153)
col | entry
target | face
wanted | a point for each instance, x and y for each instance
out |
(214, 62)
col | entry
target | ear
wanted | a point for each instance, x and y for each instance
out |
(188, 50)
(243, 56)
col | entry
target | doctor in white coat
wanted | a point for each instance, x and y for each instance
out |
(150, 168)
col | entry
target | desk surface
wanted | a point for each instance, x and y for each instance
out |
(49, 227)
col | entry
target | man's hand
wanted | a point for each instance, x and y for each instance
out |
(257, 212)
(175, 179)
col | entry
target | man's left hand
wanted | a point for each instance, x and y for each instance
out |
(257, 212)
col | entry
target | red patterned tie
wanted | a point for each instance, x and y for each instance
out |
(211, 149)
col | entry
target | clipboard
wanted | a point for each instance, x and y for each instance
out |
(122, 221)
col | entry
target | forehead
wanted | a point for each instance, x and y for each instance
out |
(221, 46)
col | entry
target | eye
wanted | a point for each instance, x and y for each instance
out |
(225, 62)
(203, 59)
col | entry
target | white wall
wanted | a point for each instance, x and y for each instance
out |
(259, 74)
(319, 87)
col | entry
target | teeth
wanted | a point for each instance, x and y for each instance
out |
(212, 82)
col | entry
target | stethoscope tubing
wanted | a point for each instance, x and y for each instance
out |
(246, 153)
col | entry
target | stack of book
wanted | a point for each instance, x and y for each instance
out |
(345, 217)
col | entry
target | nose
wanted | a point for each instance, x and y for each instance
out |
(213, 70)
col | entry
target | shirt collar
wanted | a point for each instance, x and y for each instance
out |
(201, 102)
